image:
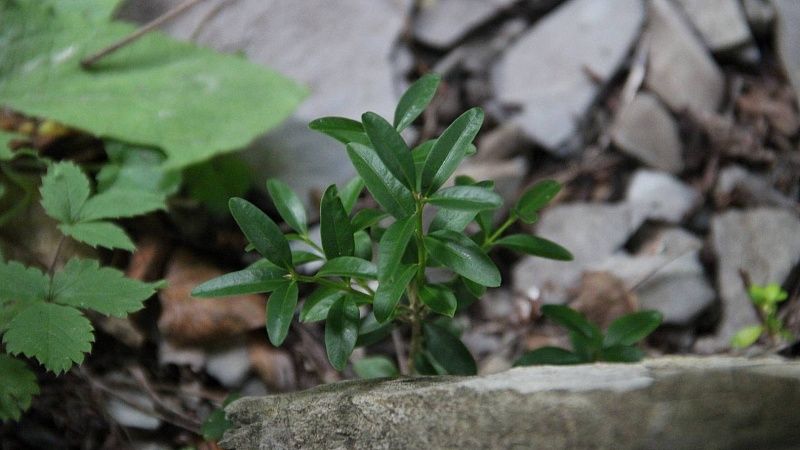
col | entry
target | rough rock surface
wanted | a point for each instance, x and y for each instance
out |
(645, 130)
(680, 69)
(659, 196)
(788, 39)
(722, 23)
(665, 403)
(766, 243)
(556, 69)
(443, 22)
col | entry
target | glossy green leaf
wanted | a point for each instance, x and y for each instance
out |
(300, 257)
(390, 291)
(336, 231)
(632, 328)
(375, 367)
(393, 245)
(588, 348)
(350, 193)
(17, 389)
(316, 306)
(391, 148)
(363, 245)
(450, 149)
(536, 198)
(215, 181)
(56, 335)
(100, 233)
(348, 266)
(65, 189)
(342, 129)
(439, 300)
(621, 354)
(371, 331)
(390, 193)
(460, 254)
(252, 280)
(534, 245)
(262, 232)
(448, 351)
(549, 356)
(572, 320)
(84, 284)
(466, 198)
(288, 205)
(280, 311)
(341, 331)
(747, 336)
(415, 100)
(451, 219)
(367, 217)
(22, 284)
(419, 154)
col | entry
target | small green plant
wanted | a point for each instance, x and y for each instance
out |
(394, 288)
(765, 299)
(41, 313)
(588, 342)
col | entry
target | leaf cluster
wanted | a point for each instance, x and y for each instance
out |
(361, 293)
(765, 299)
(589, 344)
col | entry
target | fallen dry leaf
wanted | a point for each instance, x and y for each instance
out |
(602, 297)
(274, 366)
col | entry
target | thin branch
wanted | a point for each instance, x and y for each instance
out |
(92, 59)
(400, 351)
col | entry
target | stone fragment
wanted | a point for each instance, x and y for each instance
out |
(645, 130)
(229, 364)
(659, 196)
(738, 186)
(555, 71)
(765, 242)
(442, 23)
(130, 417)
(664, 403)
(721, 23)
(680, 70)
(760, 15)
(592, 232)
(788, 39)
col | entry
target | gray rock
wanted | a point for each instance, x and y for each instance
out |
(659, 196)
(788, 39)
(680, 70)
(229, 365)
(760, 15)
(127, 415)
(555, 71)
(721, 23)
(670, 403)
(645, 130)
(766, 243)
(442, 23)
(592, 232)
(748, 189)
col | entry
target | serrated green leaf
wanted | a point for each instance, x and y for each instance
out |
(56, 335)
(318, 303)
(17, 389)
(572, 320)
(549, 356)
(375, 367)
(84, 284)
(288, 205)
(390, 291)
(367, 217)
(393, 245)
(216, 424)
(280, 311)
(450, 149)
(391, 148)
(415, 100)
(262, 232)
(341, 331)
(621, 354)
(632, 328)
(439, 300)
(132, 168)
(336, 231)
(350, 192)
(342, 129)
(384, 187)
(747, 336)
(348, 266)
(65, 189)
(536, 198)
(460, 254)
(448, 351)
(119, 203)
(157, 92)
(252, 280)
(466, 198)
(534, 245)
(22, 284)
(100, 233)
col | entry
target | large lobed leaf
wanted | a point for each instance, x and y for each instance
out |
(22, 284)
(191, 102)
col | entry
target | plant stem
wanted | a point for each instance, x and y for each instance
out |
(415, 318)
(510, 221)
(400, 351)
(92, 59)
(332, 284)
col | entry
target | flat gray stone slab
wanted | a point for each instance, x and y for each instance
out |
(722, 23)
(670, 403)
(646, 130)
(788, 39)
(443, 22)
